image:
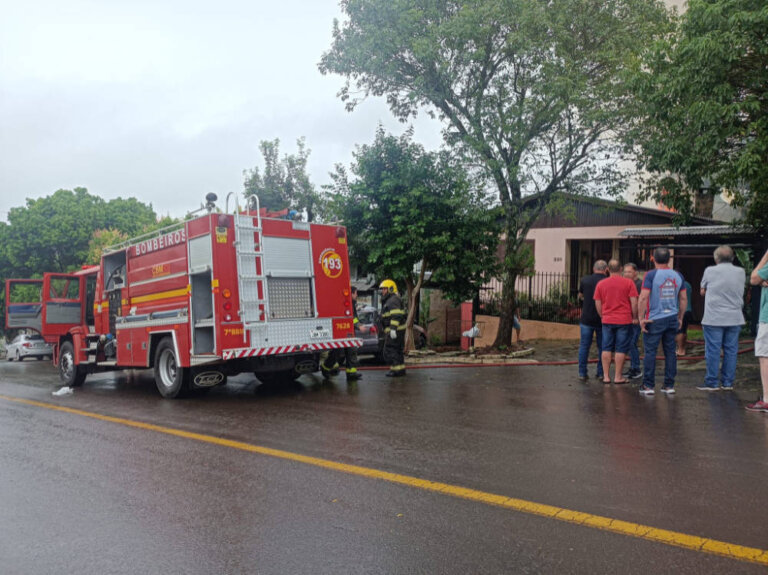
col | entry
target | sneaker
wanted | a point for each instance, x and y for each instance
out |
(668, 390)
(583, 378)
(759, 405)
(726, 387)
(635, 374)
(707, 388)
(646, 391)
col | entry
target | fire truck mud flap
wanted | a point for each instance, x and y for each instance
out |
(207, 377)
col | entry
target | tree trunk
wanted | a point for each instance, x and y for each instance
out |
(506, 322)
(413, 294)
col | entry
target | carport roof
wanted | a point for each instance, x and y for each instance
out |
(685, 231)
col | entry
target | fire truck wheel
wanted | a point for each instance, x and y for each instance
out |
(71, 375)
(171, 379)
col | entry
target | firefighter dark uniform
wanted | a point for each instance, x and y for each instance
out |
(350, 353)
(329, 360)
(393, 321)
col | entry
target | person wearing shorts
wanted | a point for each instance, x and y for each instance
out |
(759, 277)
(616, 303)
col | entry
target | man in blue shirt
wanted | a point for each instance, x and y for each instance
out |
(759, 277)
(661, 305)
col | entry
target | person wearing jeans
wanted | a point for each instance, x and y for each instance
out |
(662, 303)
(722, 286)
(634, 372)
(590, 323)
(661, 331)
(585, 343)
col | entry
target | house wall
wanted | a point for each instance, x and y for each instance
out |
(552, 248)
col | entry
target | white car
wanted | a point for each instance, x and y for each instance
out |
(28, 345)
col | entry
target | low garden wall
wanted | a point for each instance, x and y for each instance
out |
(531, 329)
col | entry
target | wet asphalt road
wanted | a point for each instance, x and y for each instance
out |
(79, 495)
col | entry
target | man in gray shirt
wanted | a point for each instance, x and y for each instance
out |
(723, 289)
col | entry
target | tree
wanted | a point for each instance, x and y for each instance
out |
(100, 240)
(53, 234)
(528, 89)
(703, 106)
(129, 216)
(285, 182)
(408, 209)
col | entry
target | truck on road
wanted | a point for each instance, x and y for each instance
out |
(216, 295)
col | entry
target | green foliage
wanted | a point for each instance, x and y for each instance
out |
(404, 206)
(100, 240)
(26, 293)
(284, 182)
(54, 233)
(702, 107)
(529, 91)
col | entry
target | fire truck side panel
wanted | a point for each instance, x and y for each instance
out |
(228, 329)
(286, 229)
(331, 265)
(155, 297)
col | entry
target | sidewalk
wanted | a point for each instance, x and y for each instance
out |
(547, 352)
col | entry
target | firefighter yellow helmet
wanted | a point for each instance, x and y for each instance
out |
(389, 284)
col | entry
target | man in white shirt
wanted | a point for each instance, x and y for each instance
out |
(722, 286)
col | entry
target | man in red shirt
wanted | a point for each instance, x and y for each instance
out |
(616, 303)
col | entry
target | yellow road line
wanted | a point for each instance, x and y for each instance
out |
(674, 538)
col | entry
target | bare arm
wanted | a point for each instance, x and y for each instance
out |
(599, 307)
(755, 278)
(642, 304)
(633, 302)
(682, 302)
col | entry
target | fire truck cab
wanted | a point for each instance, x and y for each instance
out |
(213, 296)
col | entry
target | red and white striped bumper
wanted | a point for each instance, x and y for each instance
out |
(262, 351)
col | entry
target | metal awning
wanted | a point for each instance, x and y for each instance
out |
(685, 231)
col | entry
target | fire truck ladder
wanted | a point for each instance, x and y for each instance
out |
(250, 270)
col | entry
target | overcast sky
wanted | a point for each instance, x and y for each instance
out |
(167, 100)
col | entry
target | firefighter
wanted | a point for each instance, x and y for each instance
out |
(393, 320)
(329, 360)
(329, 363)
(350, 353)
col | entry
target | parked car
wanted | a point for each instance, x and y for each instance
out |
(28, 345)
(370, 329)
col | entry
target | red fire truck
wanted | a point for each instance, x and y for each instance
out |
(216, 295)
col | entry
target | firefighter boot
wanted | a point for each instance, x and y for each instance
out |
(353, 374)
(395, 373)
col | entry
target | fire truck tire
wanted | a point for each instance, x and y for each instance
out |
(71, 375)
(172, 381)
